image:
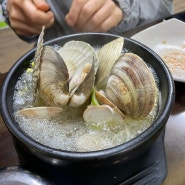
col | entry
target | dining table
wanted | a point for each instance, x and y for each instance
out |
(174, 140)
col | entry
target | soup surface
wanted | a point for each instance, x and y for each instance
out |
(71, 133)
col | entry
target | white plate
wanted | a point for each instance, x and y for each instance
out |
(167, 39)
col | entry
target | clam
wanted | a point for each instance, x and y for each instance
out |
(53, 84)
(130, 90)
(67, 76)
(131, 86)
(82, 64)
(41, 112)
(77, 53)
(103, 117)
(107, 55)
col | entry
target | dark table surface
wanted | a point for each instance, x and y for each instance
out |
(174, 136)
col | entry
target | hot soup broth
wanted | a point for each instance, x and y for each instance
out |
(68, 130)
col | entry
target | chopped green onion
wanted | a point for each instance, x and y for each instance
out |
(94, 100)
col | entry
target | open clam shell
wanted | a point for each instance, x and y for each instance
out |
(78, 53)
(103, 100)
(82, 63)
(54, 78)
(131, 86)
(41, 112)
(107, 55)
(65, 76)
(103, 117)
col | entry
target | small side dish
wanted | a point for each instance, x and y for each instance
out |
(167, 39)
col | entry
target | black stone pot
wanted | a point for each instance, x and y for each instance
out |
(103, 167)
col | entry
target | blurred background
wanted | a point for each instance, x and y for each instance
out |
(7, 59)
